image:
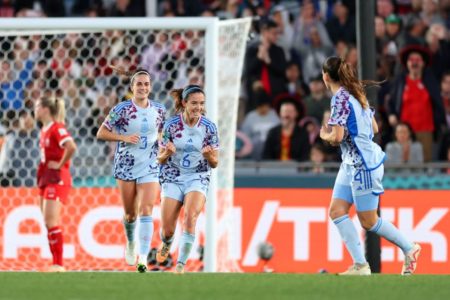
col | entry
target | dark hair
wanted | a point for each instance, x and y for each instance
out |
(342, 72)
(131, 73)
(412, 135)
(183, 94)
(268, 24)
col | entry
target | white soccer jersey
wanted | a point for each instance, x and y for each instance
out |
(189, 141)
(357, 146)
(134, 161)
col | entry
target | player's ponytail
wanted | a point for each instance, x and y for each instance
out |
(60, 110)
(177, 96)
(342, 72)
(131, 74)
(57, 108)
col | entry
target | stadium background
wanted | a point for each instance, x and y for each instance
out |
(282, 203)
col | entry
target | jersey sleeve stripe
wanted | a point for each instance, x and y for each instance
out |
(67, 138)
(121, 106)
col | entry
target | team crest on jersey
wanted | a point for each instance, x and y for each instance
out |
(47, 142)
(62, 131)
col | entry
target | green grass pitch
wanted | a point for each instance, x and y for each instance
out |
(160, 286)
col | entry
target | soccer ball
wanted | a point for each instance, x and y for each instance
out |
(265, 251)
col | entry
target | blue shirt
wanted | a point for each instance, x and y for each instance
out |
(357, 146)
(189, 142)
(134, 161)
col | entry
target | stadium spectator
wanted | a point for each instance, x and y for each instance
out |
(281, 17)
(415, 98)
(314, 54)
(296, 86)
(317, 157)
(53, 175)
(265, 62)
(385, 8)
(306, 20)
(404, 149)
(393, 31)
(317, 102)
(438, 42)
(287, 141)
(430, 13)
(312, 127)
(341, 26)
(258, 122)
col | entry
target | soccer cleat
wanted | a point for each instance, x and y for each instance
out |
(163, 253)
(141, 268)
(358, 270)
(179, 269)
(130, 253)
(56, 269)
(410, 264)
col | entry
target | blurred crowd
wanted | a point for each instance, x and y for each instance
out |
(283, 99)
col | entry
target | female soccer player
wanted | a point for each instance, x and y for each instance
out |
(53, 174)
(189, 149)
(135, 125)
(352, 125)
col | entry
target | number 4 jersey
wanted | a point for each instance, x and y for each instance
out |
(189, 142)
(132, 161)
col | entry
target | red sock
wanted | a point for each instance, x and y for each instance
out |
(56, 240)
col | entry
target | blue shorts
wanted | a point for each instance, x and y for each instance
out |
(359, 186)
(177, 190)
(148, 178)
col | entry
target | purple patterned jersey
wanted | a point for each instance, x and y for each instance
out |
(188, 141)
(134, 161)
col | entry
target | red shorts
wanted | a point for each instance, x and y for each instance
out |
(55, 192)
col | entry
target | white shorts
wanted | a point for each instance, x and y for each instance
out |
(177, 190)
(148, 178)
(359, 186)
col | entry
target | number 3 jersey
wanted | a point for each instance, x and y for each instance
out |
(132, 161)
(189, 141)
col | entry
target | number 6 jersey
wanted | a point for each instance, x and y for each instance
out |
(189, 141)
(132, 161)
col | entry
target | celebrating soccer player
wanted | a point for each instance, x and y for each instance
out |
(53, 174)
(352, 125)
(135, 125)
(189, 149)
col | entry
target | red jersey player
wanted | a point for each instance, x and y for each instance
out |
(53, 175)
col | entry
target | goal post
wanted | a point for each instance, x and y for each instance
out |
(201, 50)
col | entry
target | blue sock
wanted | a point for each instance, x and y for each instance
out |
(145, 234)
(387, 230)
(186, 242)
(129, 230)
(351, 239)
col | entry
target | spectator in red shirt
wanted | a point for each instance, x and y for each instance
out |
(53, 175)
(415, 98)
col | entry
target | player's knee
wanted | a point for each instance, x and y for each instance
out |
(130, 217)
(337, 212)
(146, 210)
(189, 222)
